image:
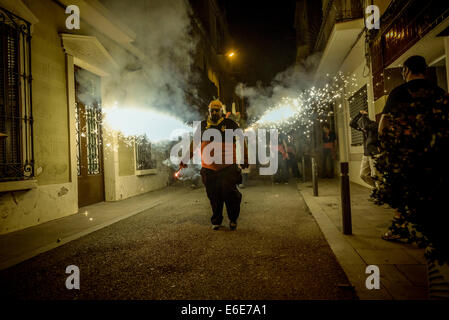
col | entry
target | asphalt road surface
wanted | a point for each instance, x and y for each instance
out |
(171, 252)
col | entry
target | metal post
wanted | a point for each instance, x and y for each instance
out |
(345, 199)
(314, 178)
(304, 179)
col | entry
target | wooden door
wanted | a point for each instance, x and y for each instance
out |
(89, 137)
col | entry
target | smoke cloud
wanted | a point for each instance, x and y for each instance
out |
(159, 82)
(288, 83)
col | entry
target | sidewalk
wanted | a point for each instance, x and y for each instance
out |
(402, 266)
(22, 245)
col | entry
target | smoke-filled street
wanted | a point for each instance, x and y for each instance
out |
(218, 150)
(171, 252)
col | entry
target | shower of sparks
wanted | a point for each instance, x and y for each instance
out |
(131, 122)
(278, 114)
(311, 106)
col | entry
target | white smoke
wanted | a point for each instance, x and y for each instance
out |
(288, 83)
(158, 84)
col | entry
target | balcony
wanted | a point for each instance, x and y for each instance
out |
(343, 21)
(334, 12)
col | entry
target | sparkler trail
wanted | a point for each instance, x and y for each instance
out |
(308, 107)
(158, 127)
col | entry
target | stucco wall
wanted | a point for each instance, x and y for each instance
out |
(56, 196)
(50, 110)
(22, 209)
(126, 157)
(54, 134)
(129, 186)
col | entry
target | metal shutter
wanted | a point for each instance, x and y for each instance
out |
(359, 101)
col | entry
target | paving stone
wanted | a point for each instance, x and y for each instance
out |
(402, 265)
(382, 256)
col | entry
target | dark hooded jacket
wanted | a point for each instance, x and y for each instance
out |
(369, 128)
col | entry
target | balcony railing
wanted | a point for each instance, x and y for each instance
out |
(16, 117)
(402, 26)
(337, 11)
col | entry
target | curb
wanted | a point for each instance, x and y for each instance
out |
(11, 262)
(351, 262)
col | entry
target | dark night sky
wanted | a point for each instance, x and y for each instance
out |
(264, 36)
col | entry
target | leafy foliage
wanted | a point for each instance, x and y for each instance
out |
(414, 175)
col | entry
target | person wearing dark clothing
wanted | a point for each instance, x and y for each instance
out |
(416, 88)
(221, 189)
(368, 127)
(281, 175)
(292, 161)
(416, 96)
(328, 155)
(220, 179)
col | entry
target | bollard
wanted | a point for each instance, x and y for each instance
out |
(304, 179)
(314, 178)
(345, 199)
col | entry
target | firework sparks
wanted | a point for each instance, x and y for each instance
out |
(309, 106)
(138, 122)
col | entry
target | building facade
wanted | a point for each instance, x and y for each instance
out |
(56, 154)
(212, 61)
(374, 58)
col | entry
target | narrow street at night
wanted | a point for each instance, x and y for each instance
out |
(170, 252)
(221, 152)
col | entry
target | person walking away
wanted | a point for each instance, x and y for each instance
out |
(328, 155)
(368, 127)
(417, 88)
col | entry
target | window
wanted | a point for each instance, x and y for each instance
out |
(359, 101)
(144, 157)
(88, 122)
(16, 121)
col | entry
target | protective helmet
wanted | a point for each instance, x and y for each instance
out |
(216, 103)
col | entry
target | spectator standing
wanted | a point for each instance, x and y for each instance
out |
(281, 176)
(401, 103)
(328, 154)
(369, 128)
(292, 161)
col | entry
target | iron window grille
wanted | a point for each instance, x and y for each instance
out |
(359, 101)
(144, 159)
(16, 119)
(88, 119)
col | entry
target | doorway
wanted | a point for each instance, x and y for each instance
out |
(89, 138)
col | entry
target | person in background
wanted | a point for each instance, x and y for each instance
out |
(368, 127)
(328, 155)
(245, 171)
(292, 160)
(281, 175)
(417, 88)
